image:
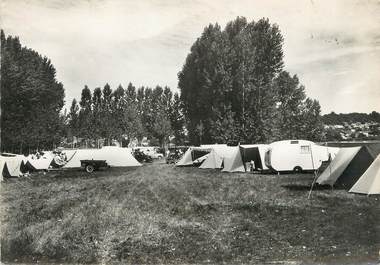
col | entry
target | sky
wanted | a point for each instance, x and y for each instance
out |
(332, 45)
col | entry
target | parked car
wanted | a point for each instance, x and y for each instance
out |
(154, 154)
(142, 157)
(172, 158)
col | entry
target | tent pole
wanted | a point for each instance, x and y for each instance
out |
(315, 173)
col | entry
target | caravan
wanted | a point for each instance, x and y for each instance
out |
(297, 155)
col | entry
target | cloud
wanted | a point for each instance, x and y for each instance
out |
(329, 44)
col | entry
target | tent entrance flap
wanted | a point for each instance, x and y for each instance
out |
(195, 154)
(251, 154)
(359, 164)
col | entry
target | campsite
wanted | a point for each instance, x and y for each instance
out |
(159, 213)
(190, 132)
(209, 207)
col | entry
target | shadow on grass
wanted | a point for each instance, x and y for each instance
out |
(70, 173)
(298, 187)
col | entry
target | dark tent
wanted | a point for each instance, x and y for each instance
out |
(355, 169)
(251, 154)
(374, 149)
(27, 167)
(5, 172)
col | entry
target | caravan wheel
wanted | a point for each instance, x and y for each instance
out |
(297, 169)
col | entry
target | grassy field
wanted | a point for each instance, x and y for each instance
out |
(162, 214)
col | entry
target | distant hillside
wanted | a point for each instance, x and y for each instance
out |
(333, 118)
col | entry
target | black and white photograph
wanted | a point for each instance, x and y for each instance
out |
(190, 132)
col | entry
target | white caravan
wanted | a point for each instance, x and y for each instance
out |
(297, 155)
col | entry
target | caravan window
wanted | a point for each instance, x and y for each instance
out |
(293, 142)
(305, 149)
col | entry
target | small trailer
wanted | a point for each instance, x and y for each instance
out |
(91, 165)
(297, 155)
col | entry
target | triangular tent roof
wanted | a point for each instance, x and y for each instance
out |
(13, 164)
(217, 155)
(2, 164)
(369, 182)
(234, 162)
(194, 154)
(5, 172)
(213, 160)
(118, 156)
(346, 168)
(27, 167)
(186, 159)
(42, 163)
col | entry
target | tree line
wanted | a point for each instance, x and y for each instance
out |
(127, 114)
(31, 98)
(341, 118)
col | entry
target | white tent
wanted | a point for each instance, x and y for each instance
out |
(245, 153)
(217, 155)
(337, 165)
(41, 163)
(194, 155)
(118, 156)
(114, 156)
(13, 164)
(369, 182)
(347, 167)
(213, 160)
(186, 159)
(234, 162)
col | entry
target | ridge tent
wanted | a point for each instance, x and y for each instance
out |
(186, 159)
(5, 173)
(212, 160)
(27, 167)
(369, 182)
(374, 149)
(114, 156)
(216, 157)
(42, 163)
(118, 156)
(234, 163)
(195, 154)
(2, 164)
(346, 168)
(12, 165)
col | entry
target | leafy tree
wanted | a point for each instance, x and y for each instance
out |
(162, 128)
(97, 112)
(31, 98)
(177, 120)
(312, 122)
(73, 118)
(231, 71)
(108, 120)
(85, 114)
(233, 87)
(289, 97)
